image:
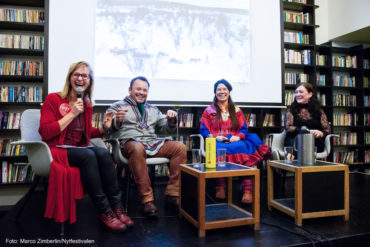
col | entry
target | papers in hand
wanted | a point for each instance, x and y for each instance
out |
(222, 139)
(70, 146)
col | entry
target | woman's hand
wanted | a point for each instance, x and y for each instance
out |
(234, 139)
(77, 108)
(107, 120)
(317, 133)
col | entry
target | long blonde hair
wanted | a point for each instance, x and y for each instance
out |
(66, 92)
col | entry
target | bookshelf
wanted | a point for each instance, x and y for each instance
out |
(23, 84)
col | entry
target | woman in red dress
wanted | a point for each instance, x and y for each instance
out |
(65, 125)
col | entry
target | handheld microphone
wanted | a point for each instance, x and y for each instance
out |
(79, 92)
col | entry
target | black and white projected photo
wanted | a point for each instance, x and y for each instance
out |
(195, 40)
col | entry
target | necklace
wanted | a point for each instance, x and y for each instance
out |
(224, 111)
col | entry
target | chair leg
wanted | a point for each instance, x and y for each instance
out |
(62, 229)
(127, 175)
(26, 197)
(152, 176)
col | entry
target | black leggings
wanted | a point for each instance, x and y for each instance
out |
(98, 176)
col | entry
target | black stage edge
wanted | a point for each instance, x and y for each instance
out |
(277, 229)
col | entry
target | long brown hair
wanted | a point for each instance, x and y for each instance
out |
(314, 106)
(231, 105)
(66, 92)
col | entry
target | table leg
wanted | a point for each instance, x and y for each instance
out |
(202, 205)
(298, 197)
(270, 185)
(201, 233)
(229, 190)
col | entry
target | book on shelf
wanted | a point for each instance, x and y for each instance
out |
(345, 138)
(366, 82)
(344, 80)
(296, 17)
(344, 61)
(345, 119)
(293, 78)
(15, 172)
(20, 94)
(320, 79)
(297, 56)
(346, 157)
(366, 63)
(269, 120)
(344, 100)
(251, 119)
(296, 37)
(186, 120)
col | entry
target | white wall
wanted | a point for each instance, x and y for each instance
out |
(71, 37)
(340, 17)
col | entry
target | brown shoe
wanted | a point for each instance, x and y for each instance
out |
(111, 222)
(150, 210)
(173, 201)
(122, 217)
(220, 192)
(247, 197)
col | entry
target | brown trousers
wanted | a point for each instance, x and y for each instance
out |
(136, 155)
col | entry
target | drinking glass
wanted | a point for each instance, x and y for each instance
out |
(221, 157)
(196, 156)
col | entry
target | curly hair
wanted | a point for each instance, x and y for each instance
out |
(314, 106)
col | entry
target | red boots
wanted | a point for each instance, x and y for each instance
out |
(122, 217)
(111, 222)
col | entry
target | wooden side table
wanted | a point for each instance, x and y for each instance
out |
(320, 190)
(211, 216)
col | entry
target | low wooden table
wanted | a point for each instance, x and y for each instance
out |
(320, 190)
(211, 216)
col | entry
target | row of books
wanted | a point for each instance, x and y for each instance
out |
(10, 120)
(366, 82)
(269, 120)
(296, 17)
(321, 59)
(345, 119)
(346, 138)
(366, 64)
(186, 120)
(251, 119)
(296, 37)
(344, 81)
(7, 149)
(188, 142)
(289, 98)
(22, 15)
(344, 100)
(15, 173)
(320, 79)
(21, 68)
(349, 157)
(20, 94)
(297, 56)
(31, 42)
(162, 170)
(344, 61)
(293, 78)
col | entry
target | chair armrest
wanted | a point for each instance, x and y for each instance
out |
(39, 156)
(201, 143)
(117, 154)
(277, 143)
(327, 148)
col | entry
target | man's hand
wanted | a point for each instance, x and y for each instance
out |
(317, 133)
(107, 120)
(234, 139)
(171, 116)
(121, 115)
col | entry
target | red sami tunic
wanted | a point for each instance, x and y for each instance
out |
(64, 181)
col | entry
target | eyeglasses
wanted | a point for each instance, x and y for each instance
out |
(84, 76)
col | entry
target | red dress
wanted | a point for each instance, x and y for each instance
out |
(64, 181)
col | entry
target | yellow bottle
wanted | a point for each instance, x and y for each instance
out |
(210, 152)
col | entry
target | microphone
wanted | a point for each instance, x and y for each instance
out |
(79, 92)
(304, 130)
